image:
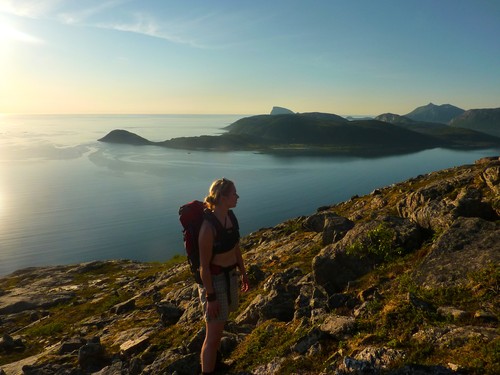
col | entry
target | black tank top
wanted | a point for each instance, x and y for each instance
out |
(225, 238)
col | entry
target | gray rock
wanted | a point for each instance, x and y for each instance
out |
(451, 336)
(251, 315)
(71, 345)
(171, 361)
(423, 370)
(304, 344)
(491, 176)
(466, 246)
(311, 297)
(169, 313)
(456, 314)
(8, 343)
(131, 347)
(124, 307)
(271, 368)
(114, 369)
(333, 226)
(485, 316)
(337, 325)
(91, 356)
(372, 360)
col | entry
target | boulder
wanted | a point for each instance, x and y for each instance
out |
(311, 298)
(133, 346)
(335, 266)
(372, 360)
(174, 362)
(468, 245)
(91, 356)
(169, 313)
(124, 307)
(333, 226)
(310, 339)
(71, 345)
(9, 344)
(337, 325)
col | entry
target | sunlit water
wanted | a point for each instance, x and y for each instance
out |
(67, 198)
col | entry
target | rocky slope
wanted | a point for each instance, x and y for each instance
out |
(401, 281)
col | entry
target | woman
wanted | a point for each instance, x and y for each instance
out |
(220, 256)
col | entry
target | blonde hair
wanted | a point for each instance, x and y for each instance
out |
(218, 188)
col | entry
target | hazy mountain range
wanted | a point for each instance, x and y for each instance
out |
(286, 132)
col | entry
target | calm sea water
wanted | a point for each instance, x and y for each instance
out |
(67, 198)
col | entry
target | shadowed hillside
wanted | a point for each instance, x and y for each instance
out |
(435, 113)
(483, 120)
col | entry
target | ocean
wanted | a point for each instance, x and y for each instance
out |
(66, 198)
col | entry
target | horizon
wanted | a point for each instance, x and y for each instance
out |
(224, 114)
(165, 57)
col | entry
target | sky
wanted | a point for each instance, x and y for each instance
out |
(356, 57)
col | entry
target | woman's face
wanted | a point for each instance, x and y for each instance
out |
(232, 197)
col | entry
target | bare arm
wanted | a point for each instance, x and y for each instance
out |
(205, 243)
(239, 260)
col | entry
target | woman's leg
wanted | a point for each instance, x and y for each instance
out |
(211, 344)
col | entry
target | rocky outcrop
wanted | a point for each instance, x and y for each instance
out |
(401, 281)
(466, 246)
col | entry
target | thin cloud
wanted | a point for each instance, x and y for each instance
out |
(145, 25)
(81, 16)
(29, 8)
(201, 31)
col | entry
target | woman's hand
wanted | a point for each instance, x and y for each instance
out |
(244, 282)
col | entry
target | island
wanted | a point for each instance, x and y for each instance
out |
(316, 133)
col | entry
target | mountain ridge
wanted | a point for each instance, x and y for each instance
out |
(435, 113)
(486, 120)
(317, 133)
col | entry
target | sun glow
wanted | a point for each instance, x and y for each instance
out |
(9, 33)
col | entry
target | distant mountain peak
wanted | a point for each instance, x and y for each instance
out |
(435, 113)
(281, 111)
(393, 118)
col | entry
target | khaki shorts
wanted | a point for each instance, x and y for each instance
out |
(220, 289)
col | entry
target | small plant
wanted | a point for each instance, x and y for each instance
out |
(270, 340)
(378, 242)
(292, 226)
(46, 330)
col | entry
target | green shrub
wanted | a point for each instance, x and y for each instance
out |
(46, 330)
(378, 242)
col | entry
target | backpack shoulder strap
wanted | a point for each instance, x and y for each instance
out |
(212, 219)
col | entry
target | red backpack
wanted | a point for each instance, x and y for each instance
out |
(191, 216)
